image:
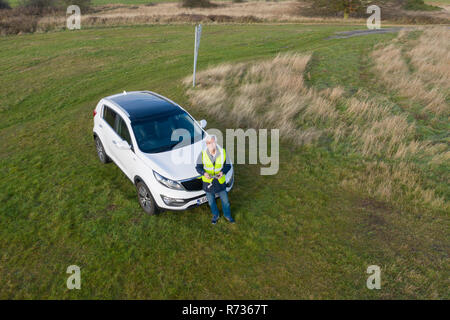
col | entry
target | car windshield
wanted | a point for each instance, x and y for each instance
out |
(166, 132)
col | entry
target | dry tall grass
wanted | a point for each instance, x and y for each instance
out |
(273, 94)
(394, 182)
(221, 12)
(426, 80)
(268, 94)
(431, 57)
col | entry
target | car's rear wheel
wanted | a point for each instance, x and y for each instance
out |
(102, 156)
(145, 198)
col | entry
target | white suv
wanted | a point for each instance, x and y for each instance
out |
(136, 130)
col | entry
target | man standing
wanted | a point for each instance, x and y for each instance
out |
(213, 165)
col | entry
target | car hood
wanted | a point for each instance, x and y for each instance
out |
(177, 164)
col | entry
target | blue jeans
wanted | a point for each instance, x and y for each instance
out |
(225, 204)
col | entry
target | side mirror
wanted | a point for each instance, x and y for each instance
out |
(123, 145)
(203, 123)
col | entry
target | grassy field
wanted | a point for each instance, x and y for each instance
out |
(299, 234)
(14, 3)
(132, 2)
(437, 2)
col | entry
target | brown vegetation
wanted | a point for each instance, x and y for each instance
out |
(392, 11)
(197, 4)
(273, 94)
(229, 12)
(23, 20)
(426, 79)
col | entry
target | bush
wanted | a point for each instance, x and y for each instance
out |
(418, 5)
(38, 4)
(4, 4)
(197, 4)
(18, 20)
(43, 5)
(337, 8)
(83, 4)
(26, 17)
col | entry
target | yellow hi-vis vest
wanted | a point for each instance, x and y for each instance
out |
(212, 169)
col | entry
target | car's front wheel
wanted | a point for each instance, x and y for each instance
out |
(145, 198)
(102, 156)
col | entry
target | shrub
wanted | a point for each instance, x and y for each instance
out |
(418, 5)
(38, 4)
(83, 4)
(18, 20)
(4, 4)
(45, 5)
(197, 4)
(337, 7)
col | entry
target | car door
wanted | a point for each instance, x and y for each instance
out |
(126, 158)
(107, 125)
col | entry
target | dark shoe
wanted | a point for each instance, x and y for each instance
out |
(214, 221)
(231, 220)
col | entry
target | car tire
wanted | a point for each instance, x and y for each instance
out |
(145, 199)
(101, 153)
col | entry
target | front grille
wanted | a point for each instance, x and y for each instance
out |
(193, 185)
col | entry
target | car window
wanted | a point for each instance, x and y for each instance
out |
(154, 134)
(122, 130)
(109, 115)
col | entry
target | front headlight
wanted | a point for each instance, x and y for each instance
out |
(167, 182)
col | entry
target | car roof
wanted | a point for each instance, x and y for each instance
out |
(143, 104)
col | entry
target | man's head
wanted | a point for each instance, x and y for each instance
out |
(211, 143)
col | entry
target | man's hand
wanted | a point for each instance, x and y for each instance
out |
(220, 174)
(207, 176)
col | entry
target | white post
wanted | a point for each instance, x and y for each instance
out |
(198, 33)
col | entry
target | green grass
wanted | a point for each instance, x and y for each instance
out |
(437, 1)
(298, 233)
(419, 5)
